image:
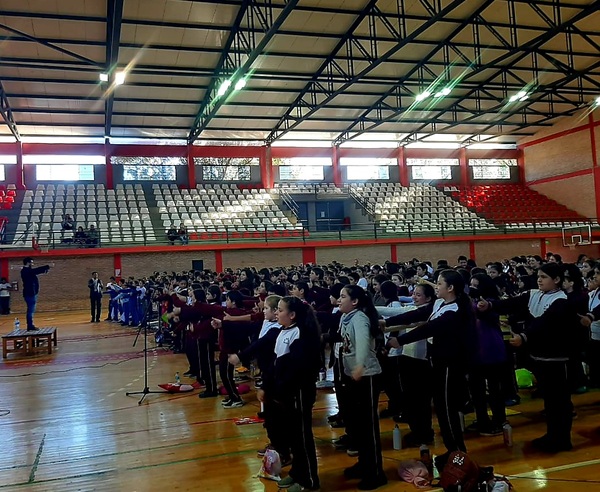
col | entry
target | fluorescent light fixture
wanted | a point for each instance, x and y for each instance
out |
(103, 77)
(424, 95)
(492, 146)
(597, 102)
(240, 84)
(444, 92)
(119, 78)
(223, 89)
(519, 96)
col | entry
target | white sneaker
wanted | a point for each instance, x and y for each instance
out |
(233, 404)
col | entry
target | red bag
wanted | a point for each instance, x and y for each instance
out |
(461, 473)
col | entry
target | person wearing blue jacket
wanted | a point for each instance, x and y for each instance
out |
(31, 287)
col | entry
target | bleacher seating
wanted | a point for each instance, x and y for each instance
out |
(211, 211)
(121, 215)
(7, 196)
(309, 189)
(514, 205)
(419, 208)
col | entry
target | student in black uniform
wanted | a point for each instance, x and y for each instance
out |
(449, 323)
(550, 346)
(296, 369)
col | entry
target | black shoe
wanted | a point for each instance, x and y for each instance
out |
(32, 328)
(208, 394)
(372, 483)
(491, 430)
(92, 320)
(546, 445)
(441, 460)
(353, 472)
(260, 415)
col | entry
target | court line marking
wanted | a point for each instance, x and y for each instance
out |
(535, 473)
(36, 462)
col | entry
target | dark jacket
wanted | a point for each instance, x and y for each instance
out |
(31, 284)
(546, 335)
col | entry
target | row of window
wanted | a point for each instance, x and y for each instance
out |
(290, 169)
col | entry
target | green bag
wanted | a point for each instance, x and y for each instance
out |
(524, 378)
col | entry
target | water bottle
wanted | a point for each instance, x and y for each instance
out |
(397, 438)
(501, 486)
(322, 375)
(177, 378)
(507, 433)
(17, 324)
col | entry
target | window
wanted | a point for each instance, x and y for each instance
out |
(226, 168)
(431, 169)
(431, 172)
(149, 168)
(303, 173)
(302, 161)
(365, 168)
(149, 173)
(2, 173)
(364, 173)
(492, 168)
(226, 173)
(57, 172)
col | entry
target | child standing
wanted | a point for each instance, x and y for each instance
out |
(360, 332)
(295, 370)
(549, 348)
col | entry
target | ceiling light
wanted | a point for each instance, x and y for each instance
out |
(519, 96)
(224, 86)
(444, 92)
(119, 78)
(240, 84)
(103, 77)
(424, 95)
(597, 102)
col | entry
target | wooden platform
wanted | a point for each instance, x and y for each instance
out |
(29, 342)
(71, 427)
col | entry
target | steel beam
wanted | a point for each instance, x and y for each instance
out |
(519, 51)
(114, 16)
(7, 114)
(309, 105)
(234, 67)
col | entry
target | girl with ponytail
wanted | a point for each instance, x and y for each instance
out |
(361, 335)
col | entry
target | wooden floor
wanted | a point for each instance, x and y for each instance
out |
(70, 426)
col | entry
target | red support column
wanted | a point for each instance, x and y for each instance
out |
(402, 167)
(117, 266)
(110, 182)
(4, 269)
(337, 171)
(543, 248)
(393, 253)
(521, 166)
(191, 169)
(309, 255)
(19, 178)
(464, 166)
(595, 168)
(472, 250)
(266, 167)
(218, 261)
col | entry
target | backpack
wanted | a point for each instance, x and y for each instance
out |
(460, 474)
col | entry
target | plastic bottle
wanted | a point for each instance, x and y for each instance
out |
(425, 454)
(17, 324)
(507, 433)
(177, 378)
(501, 486)
(397, 438)
(322, 375)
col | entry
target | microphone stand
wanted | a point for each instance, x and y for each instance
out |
(146, 390)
